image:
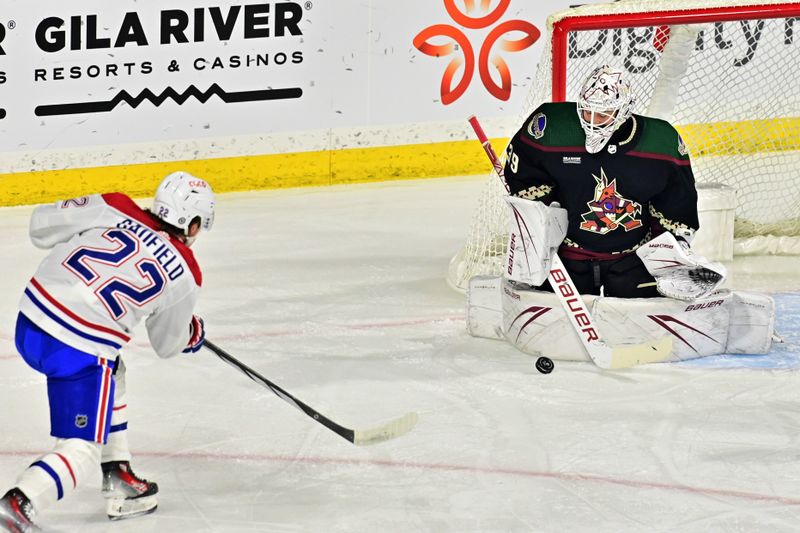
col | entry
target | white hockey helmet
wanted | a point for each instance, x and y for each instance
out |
(605, 103)
(181, 197)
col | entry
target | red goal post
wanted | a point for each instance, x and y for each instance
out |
(726, 74)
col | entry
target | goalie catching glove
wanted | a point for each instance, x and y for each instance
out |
(537, 230)
(679, 272)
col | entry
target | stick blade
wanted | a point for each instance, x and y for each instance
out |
(628, 355)
(390, 430)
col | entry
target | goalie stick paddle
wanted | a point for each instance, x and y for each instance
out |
(601, 353)
(390, 430)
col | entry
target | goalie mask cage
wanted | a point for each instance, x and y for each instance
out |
(725, 74)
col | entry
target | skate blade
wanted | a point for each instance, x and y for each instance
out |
(9, 523)
(122, 509)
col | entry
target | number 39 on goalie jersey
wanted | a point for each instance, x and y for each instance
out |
(108, 269)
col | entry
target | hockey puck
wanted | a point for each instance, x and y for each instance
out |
(544, 365)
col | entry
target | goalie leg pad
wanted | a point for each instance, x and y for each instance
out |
(535, 323)
(723, 322)
(485, 307)
(752, 323)
(698, 329)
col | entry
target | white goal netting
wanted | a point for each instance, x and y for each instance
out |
(726, 74)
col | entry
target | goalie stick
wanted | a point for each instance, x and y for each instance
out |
(387, 431)
(601, 353)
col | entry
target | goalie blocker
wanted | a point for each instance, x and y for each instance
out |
(538, 231)
(534, 321)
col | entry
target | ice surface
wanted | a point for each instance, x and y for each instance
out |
(338, 295)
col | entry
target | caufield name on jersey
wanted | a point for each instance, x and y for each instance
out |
(161, 250)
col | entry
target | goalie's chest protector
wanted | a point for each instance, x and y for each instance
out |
(611, 196)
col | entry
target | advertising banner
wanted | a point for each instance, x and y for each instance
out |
(96, 83)
(95, 72)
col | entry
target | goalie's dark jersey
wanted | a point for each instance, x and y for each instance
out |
(639, 185)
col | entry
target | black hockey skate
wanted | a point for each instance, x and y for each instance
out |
(128, 495)
(16, 512)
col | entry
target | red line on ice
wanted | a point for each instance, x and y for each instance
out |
(445, 467)
(298, 331)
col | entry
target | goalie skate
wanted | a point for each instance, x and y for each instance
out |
(127, 495)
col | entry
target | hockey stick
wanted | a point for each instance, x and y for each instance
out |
(387, 431)
(603, 355)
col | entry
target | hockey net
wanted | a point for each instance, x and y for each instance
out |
(724, 73)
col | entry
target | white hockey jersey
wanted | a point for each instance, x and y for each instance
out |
(110, 268)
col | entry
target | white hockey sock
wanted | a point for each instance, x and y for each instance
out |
(54, 475)
(116, 448)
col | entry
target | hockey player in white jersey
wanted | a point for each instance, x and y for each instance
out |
(111, 265)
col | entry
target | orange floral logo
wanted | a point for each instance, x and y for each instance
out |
(458, 40)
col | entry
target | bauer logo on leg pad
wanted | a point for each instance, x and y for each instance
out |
(704, 305)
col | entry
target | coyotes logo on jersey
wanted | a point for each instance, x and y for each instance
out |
(609, 210)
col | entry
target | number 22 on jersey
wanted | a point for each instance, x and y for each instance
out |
(113, 289)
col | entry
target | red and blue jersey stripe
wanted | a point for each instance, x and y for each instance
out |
(60, 314)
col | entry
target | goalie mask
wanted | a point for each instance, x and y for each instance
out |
(605, 103)
(181, 197)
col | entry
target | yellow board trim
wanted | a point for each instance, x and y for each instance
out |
(244, 173)
(355, 165)
(742, 137)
